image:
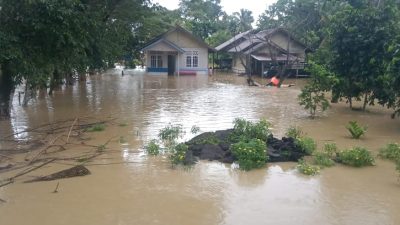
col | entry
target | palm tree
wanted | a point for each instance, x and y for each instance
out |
(245, 19)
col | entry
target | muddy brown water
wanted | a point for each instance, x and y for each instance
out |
(128, 187)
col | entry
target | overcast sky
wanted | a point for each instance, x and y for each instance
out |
(229, 6)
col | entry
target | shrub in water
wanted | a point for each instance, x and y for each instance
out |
(153, 148)
(251, 154)
(178, 154)
(330, 149)
(244, 130)
(294, 132)
(307, 169)
(390, 151)
(307, 144)
(355, 129)
(323, 159)
(357, 157)
(170, 134)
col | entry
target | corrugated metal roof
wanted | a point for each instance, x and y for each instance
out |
(281, 57)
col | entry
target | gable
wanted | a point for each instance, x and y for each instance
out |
(281, 40)
(183, 39)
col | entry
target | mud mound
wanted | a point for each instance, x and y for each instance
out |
(216, 146)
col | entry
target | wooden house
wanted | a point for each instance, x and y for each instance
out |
(177, 52)
(259, 51)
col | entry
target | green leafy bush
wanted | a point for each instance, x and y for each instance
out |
(153, 148)
(357, 157)
(356, 130)
(331, 149)
(307, 144)
(307, 169)
(244, 130)
(251, 154)
(170, 134)
(178, 154)
(96, 128)
(390, 151)
(294, 132)
(323, 159)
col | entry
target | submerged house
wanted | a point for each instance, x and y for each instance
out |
(257, 52)
(177, 52)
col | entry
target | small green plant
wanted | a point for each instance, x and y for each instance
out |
(307, 144)
(357, 157)
(178, 154)
(294, 132)
(251, 154)
(331, 149)
(169, 135)
(153, 148)
(122, 140)
(355, 129)
(96, 128)
(323, 159)
(82, 160)
(122, 124)
(244, 130)
(390, 151)
(206, 138)
(195, 129)
(307, 169)
(101, 148)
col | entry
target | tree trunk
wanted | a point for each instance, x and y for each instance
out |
(6, 92)
(365, 101)
(350, 102)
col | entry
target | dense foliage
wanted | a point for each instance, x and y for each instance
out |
(357, 157)
(250, 154)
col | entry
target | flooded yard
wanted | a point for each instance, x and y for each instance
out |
(126, 186)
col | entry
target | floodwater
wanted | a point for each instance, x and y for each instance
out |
(128, 187)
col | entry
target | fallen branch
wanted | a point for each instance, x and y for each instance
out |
(75, 171)
(72, 126)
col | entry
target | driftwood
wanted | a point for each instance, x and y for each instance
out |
(75, 171)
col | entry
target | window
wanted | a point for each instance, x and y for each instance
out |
(156, 61)
(192, 59)
(189, 61)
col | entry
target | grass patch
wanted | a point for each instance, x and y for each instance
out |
(357, 157)
(96, 128)
(251, 154)
(206, 139)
